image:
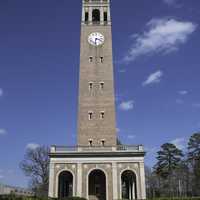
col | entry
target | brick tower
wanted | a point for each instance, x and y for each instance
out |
(96, 124)
(97, 168)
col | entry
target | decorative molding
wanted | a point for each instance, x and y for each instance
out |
(98, 160)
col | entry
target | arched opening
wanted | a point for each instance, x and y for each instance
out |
(105, 16)
(128, 185)
(86, 17)
(96, 16)
(97, 185)
(65, 188)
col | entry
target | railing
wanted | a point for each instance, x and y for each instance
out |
(96, 23)
(98, 1)
(119, 148)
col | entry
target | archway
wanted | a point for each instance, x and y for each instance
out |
(128, 185)
(65, 188)
(97, 185)
(96, 16)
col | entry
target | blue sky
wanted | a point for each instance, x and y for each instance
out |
(156, 61)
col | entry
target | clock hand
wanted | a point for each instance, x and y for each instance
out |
(96, 40)
(99, 39)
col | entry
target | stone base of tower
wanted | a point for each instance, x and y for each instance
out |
(97, 173)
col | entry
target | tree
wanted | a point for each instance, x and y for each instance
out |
(152, 186)
(169, 159)
(194, 147)
(36, 166)
(194, 159)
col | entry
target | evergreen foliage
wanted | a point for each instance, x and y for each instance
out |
(176, 174)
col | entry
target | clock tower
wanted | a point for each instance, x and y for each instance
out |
(97, 168)
(96, 115)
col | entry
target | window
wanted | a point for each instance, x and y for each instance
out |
(101, 59)
(105, 16)
(90, 115)
(90, 59)
(102, 115)
(103, 143)
(96, 16)
(102, 85)
(90, 85)
(86, 17)
(90, 142)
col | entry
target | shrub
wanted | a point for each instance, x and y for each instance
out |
(74, 198)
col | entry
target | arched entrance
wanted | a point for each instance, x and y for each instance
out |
(96, 16)
(128, 185)
(97, 185)
(65, 188)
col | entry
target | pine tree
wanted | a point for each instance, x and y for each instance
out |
(168, 160)
(194, 159)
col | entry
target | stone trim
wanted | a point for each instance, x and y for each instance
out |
(96, 154)
(97, 160)
(51, 180)
(57, 180)
(87, 180)
(114, 180)
(137, 181)
(142, 180)
(79, 180)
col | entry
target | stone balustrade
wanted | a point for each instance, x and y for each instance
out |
(119, 148)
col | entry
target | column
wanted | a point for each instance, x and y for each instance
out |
(90, 15)
(51, 180)
(142, 181)
(79, 180)
(109, 17)
(101, 16)
(130, 191)
(115, 181)
(133, 190)
(83, 14)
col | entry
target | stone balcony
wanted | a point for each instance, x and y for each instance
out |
(75, 149)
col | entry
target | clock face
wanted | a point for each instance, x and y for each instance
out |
(96, 39)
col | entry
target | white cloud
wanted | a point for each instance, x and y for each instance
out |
(127, 105)
(1, 176)
(153, 78)
(183, 92)
(179, 142)
(3, 132)
(131, 137)
(32, 146)
(1, 92)
(162, 36)
(122, 70)
(196, 105)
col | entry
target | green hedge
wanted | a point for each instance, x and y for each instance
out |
(176, 198)
(15, 197)
(74, 198)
